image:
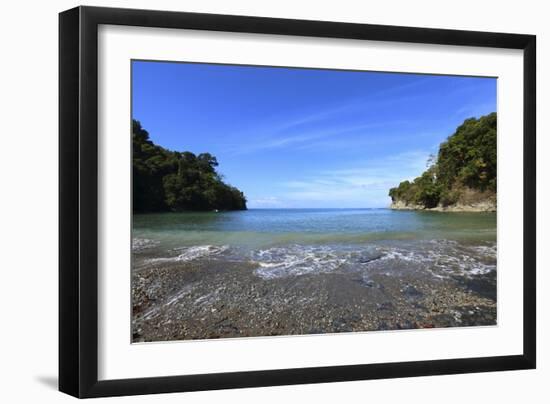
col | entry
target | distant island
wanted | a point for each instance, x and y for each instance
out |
(462, 178)
(165, 180)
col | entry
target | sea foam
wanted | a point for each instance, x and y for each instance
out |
(193, 253)
(295, 260)
(140, 244)
(445, 257)
(440, 258)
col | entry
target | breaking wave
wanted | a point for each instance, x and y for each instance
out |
(440, 258)
(140, 244)
(297, 260)
(192, 253)
(445, 257)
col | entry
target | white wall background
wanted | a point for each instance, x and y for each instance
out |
(28, 202)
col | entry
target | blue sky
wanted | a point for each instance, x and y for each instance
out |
(299, 138)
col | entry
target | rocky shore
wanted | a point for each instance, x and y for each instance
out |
(205, 299)
(478, 206)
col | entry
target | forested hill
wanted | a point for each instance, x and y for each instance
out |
(464, 175)
(165, 180)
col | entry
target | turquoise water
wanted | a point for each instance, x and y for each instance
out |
(273, 226)
(290, 242)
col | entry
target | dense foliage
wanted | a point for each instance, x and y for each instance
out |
(466, 160)
(165, 180)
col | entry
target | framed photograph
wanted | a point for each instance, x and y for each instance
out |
(250, 201)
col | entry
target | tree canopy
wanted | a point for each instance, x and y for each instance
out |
(165, 180)
(467, 159)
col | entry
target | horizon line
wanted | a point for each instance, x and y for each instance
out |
(380, 207)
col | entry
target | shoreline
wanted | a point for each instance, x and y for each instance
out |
(209, 297)
(485, 206)
(178, 304)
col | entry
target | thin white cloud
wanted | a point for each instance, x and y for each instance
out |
(283, 131)
(266, 202)
(473, 110)
(361, 185)
(306, 137)
(350, 104)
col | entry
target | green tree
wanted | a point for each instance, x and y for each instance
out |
(467, 159)
(165, 180)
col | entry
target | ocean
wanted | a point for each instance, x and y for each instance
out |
(377, 257)
(294, 241)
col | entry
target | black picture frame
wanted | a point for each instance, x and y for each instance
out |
(78, 201)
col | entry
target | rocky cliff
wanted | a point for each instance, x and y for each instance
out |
(463, 175)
